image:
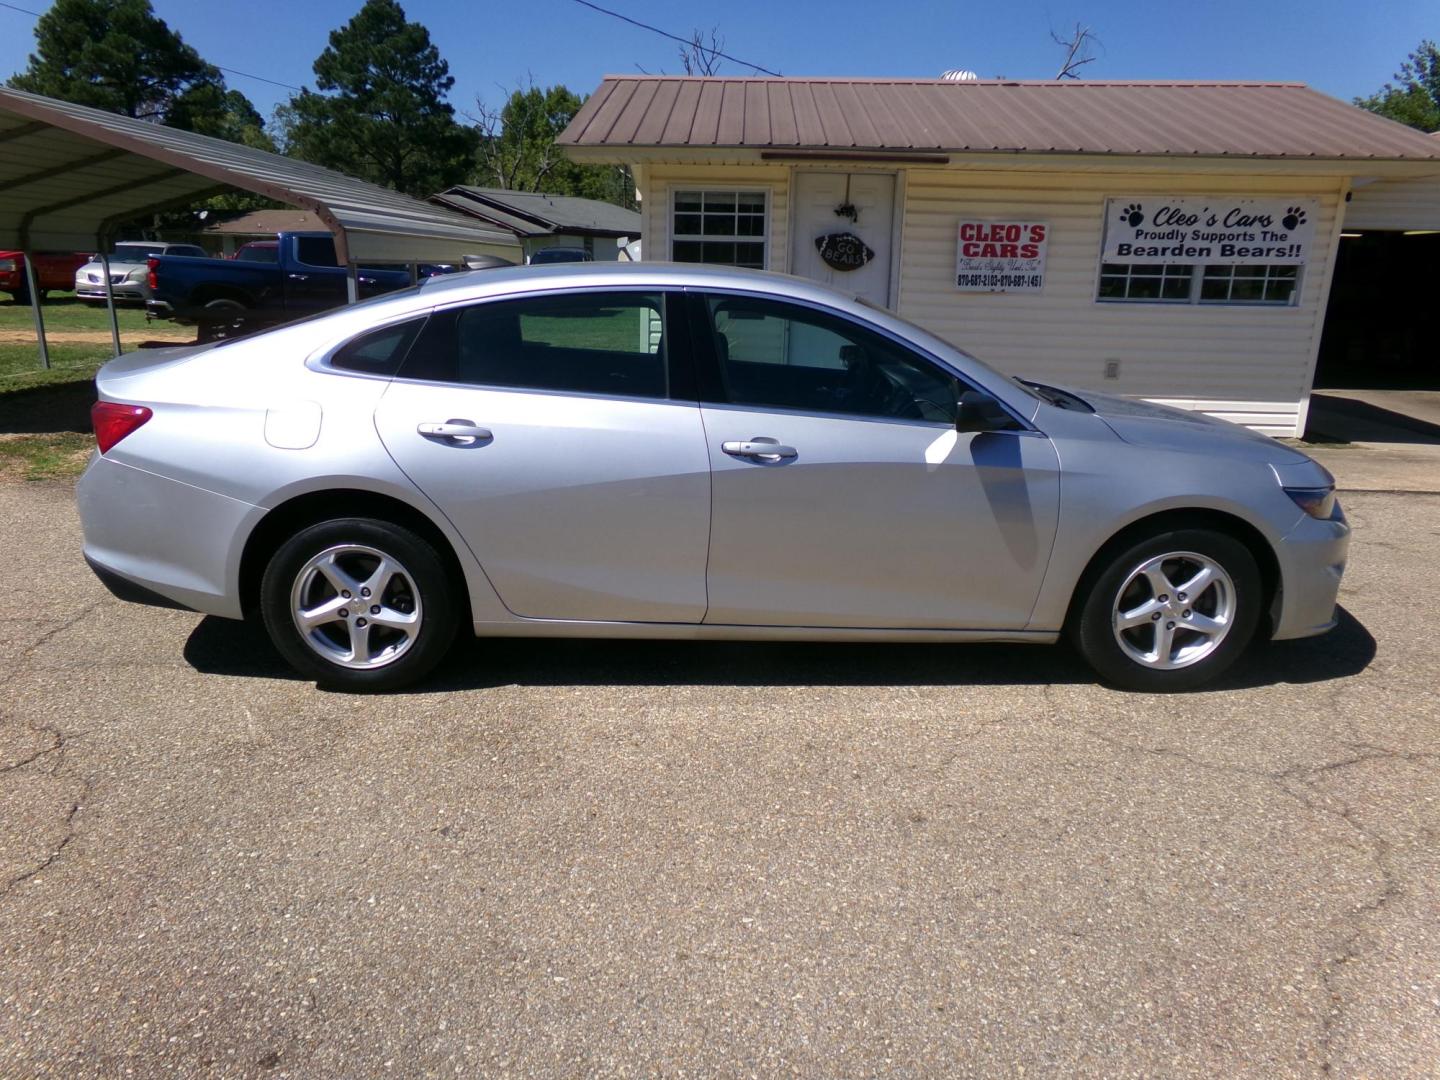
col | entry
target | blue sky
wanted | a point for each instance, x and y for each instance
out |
(1344, 49)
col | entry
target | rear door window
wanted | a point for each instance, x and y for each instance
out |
(315, 250)
(581, 343)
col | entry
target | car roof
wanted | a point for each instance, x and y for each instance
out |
(451, 288)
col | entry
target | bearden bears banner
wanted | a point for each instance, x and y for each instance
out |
(1206, 231)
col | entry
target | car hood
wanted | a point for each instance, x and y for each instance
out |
(1143, 423)
(115, 264)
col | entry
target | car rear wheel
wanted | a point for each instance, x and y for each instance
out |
(359, 604)
(1170, 612)
(220, 320)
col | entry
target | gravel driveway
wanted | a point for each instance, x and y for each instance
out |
(573, 858)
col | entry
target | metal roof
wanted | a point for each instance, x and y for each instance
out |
(260, 223)
(533, 213)
(69, 174)
(1192, 119)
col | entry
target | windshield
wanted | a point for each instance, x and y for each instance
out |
(135, 252)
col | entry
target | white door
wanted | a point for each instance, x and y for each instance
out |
(817, 196)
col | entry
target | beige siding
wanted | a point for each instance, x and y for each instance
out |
(661, 180)
(1249, 364)
(1395, 204)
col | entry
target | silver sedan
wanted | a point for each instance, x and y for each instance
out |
(664, 451)
(129, 270)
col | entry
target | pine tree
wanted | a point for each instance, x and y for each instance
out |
(381, 112)
(118, 55)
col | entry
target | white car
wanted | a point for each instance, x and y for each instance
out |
(127, 270)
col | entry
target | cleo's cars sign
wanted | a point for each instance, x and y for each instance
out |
(1001, 256)
(1205, 231)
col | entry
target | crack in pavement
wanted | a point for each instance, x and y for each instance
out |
(1297, 782)
(59, 744)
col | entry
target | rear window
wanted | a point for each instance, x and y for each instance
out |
(379, 352)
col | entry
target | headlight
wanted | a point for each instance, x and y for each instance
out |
(1318, 502)
(8, 264)
(137, 274)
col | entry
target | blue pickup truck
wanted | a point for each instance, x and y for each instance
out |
(297, 276)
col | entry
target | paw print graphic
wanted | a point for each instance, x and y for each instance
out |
(1133, 215)
(1293, 219)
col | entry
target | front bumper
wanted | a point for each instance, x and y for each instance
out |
(123, 290)
(1312, 561)
(159, 541)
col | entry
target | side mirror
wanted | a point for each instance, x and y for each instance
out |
(979, 412)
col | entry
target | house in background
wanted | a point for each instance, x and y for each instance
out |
(539, 220)
(225, 231)
(1171, 241)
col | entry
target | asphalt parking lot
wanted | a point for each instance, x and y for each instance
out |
(637, 858)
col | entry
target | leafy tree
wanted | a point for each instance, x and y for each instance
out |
(381, 113)
(118, 55)
(1414, 97)
(517, 149)
(224, 114)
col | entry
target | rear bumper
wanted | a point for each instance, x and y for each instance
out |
(1312, 562)
(157, 541)
(122, 588)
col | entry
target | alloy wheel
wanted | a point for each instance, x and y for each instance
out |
(356, 607)
(1173, 610)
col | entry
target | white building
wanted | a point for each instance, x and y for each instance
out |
(1173, 241)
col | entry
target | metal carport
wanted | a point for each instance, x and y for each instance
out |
(69, 175)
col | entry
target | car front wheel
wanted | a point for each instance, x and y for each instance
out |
(1170, 612)
(359, 604)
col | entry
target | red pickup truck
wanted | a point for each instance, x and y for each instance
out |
(54, 270)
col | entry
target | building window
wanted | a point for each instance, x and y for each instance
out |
(1249, 284)
(721, 227)
(1138, 281)
(1172, 284)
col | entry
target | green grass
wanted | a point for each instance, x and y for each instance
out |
(35, 458)
(63, 312)
(20, 365)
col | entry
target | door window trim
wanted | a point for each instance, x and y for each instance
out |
(712, 387)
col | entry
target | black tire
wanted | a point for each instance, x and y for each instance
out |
(221, 320)
(426, 585)
(1093, 629)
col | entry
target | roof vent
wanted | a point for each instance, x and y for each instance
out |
(959, 75)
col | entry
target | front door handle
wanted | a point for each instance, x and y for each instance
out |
(760, 448)
(455, 432)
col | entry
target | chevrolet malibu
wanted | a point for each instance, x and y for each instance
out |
(664, 451)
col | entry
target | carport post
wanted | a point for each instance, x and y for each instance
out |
(110, 300)
(414, 273)
(34, 286)
(352, 284)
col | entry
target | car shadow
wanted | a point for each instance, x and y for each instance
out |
(225, 647)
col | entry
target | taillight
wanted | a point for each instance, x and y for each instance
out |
(152, 265)
(113, 421)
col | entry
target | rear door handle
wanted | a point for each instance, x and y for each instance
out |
(760, 448)
(455, 432)
(299, 277)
